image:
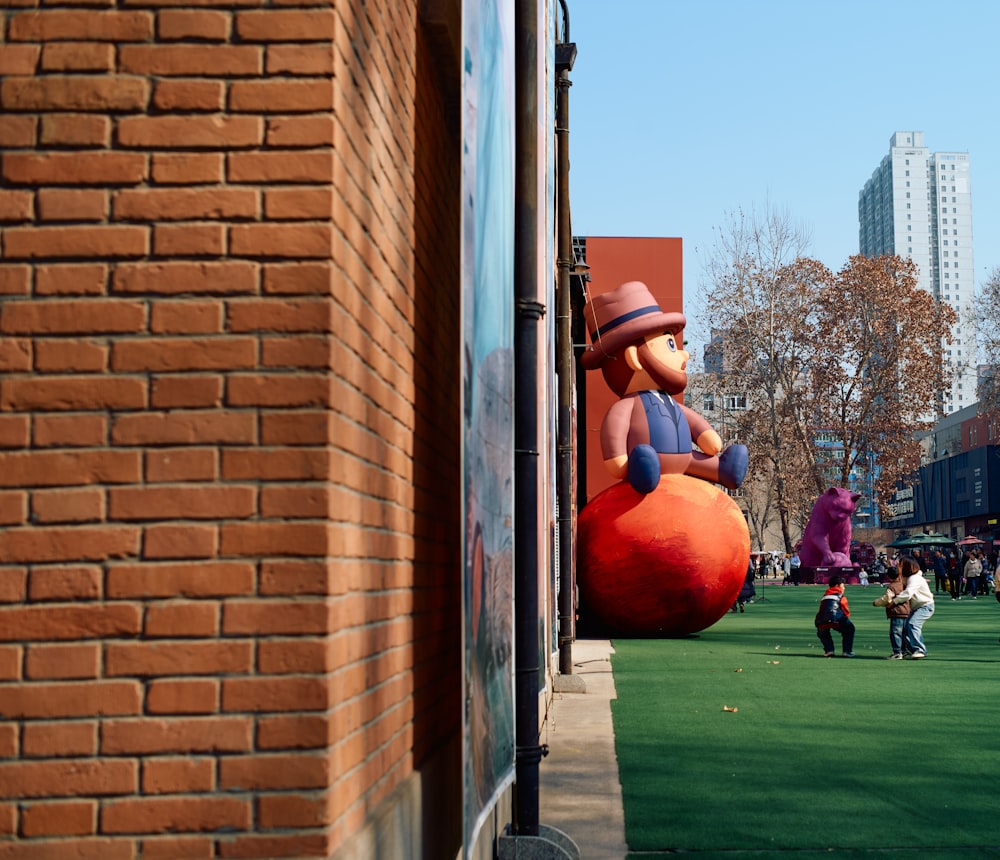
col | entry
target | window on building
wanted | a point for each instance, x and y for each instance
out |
(736, 402)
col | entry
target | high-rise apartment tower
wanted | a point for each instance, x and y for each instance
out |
(918, 204)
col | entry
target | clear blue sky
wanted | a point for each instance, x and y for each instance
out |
(682, 111)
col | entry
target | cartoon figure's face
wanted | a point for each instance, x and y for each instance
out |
(664, 360)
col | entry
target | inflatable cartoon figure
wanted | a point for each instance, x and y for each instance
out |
(647, 433)
(826, 541)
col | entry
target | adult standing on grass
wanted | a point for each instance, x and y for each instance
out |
(835, 614)
(918, 594)
(940, 572)
(954, 577)
(897, 613)
(973, 570)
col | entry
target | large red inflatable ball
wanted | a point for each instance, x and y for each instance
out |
(669, 563)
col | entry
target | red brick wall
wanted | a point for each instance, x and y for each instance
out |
(229, 576)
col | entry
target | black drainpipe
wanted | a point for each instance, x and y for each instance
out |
(529, 311)
(565, 358)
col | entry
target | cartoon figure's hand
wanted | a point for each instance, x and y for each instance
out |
(710, 442)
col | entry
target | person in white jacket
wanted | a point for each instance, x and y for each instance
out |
(918, 594)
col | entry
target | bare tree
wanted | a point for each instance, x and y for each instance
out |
(878, 368)
(763, 297)
(986, 310)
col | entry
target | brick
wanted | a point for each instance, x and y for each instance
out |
(296, 731)
(203, 25)
(73, 699)
(277, 539)
(72, 356)
(72, 583)
(306, 95)
(194, 580)
(298, 352)
(280, 846)
(70, 431)
(67, 544)
(77, 57)
(179, 542)
(297, 278)
(15, 430)
(16, 207)
(280, 812)
(71, 279)
(75, 129)
(17, 131)
(275, 695)
(15, 280)
(184, 428)
(199, 696)
(299, 131)
(185, 204)
(13, 584)
(183, 94)
(178, 848)
(62, 662)
(286, 240)
(8, 741)
(67, 506)
(60, 739)
(72, 393)
(189, 240)
(193, 503)
(188, 278)
(73, 317)
(287, 166)
(68, 623)
(299, 25)
(185, 464)
(295, 578)
(294, 657)
(191, 60)
(275, 618)
(187, 168)
(13, 508)
(278, 390)
(303, 427)
(77, 818)
(10, 670)
(182, 736)
(19, 59)
(300, 59)
(72, 205)
(77, 168)
(167, 355)
(177, 776)
(193, 814)
(286, 315)
(186, 317)
(186, 392)
(83, 25)
(274, 772)
(144, 660)
(23, 243)
(75, 93)
(280, 465)
(295, 502)
(67, 468)
(291, 204)
(182, 619)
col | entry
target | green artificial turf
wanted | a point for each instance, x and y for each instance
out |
(828, 757)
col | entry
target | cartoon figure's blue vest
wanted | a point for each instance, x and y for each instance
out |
(668, 427)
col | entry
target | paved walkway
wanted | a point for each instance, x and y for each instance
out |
(579, 791)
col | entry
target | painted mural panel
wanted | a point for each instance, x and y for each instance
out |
(488, 407)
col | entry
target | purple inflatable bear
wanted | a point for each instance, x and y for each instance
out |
(827, 538)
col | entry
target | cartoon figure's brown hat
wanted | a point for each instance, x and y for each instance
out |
(621, 317)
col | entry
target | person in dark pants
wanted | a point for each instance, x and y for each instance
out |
(835, 614)
(954, 578)
(940, 572)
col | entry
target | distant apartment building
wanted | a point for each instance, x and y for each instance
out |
(918, 204)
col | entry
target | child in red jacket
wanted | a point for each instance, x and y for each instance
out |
(834, 614)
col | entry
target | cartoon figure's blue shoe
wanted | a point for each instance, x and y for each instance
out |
(733, 463)
(643, 469)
